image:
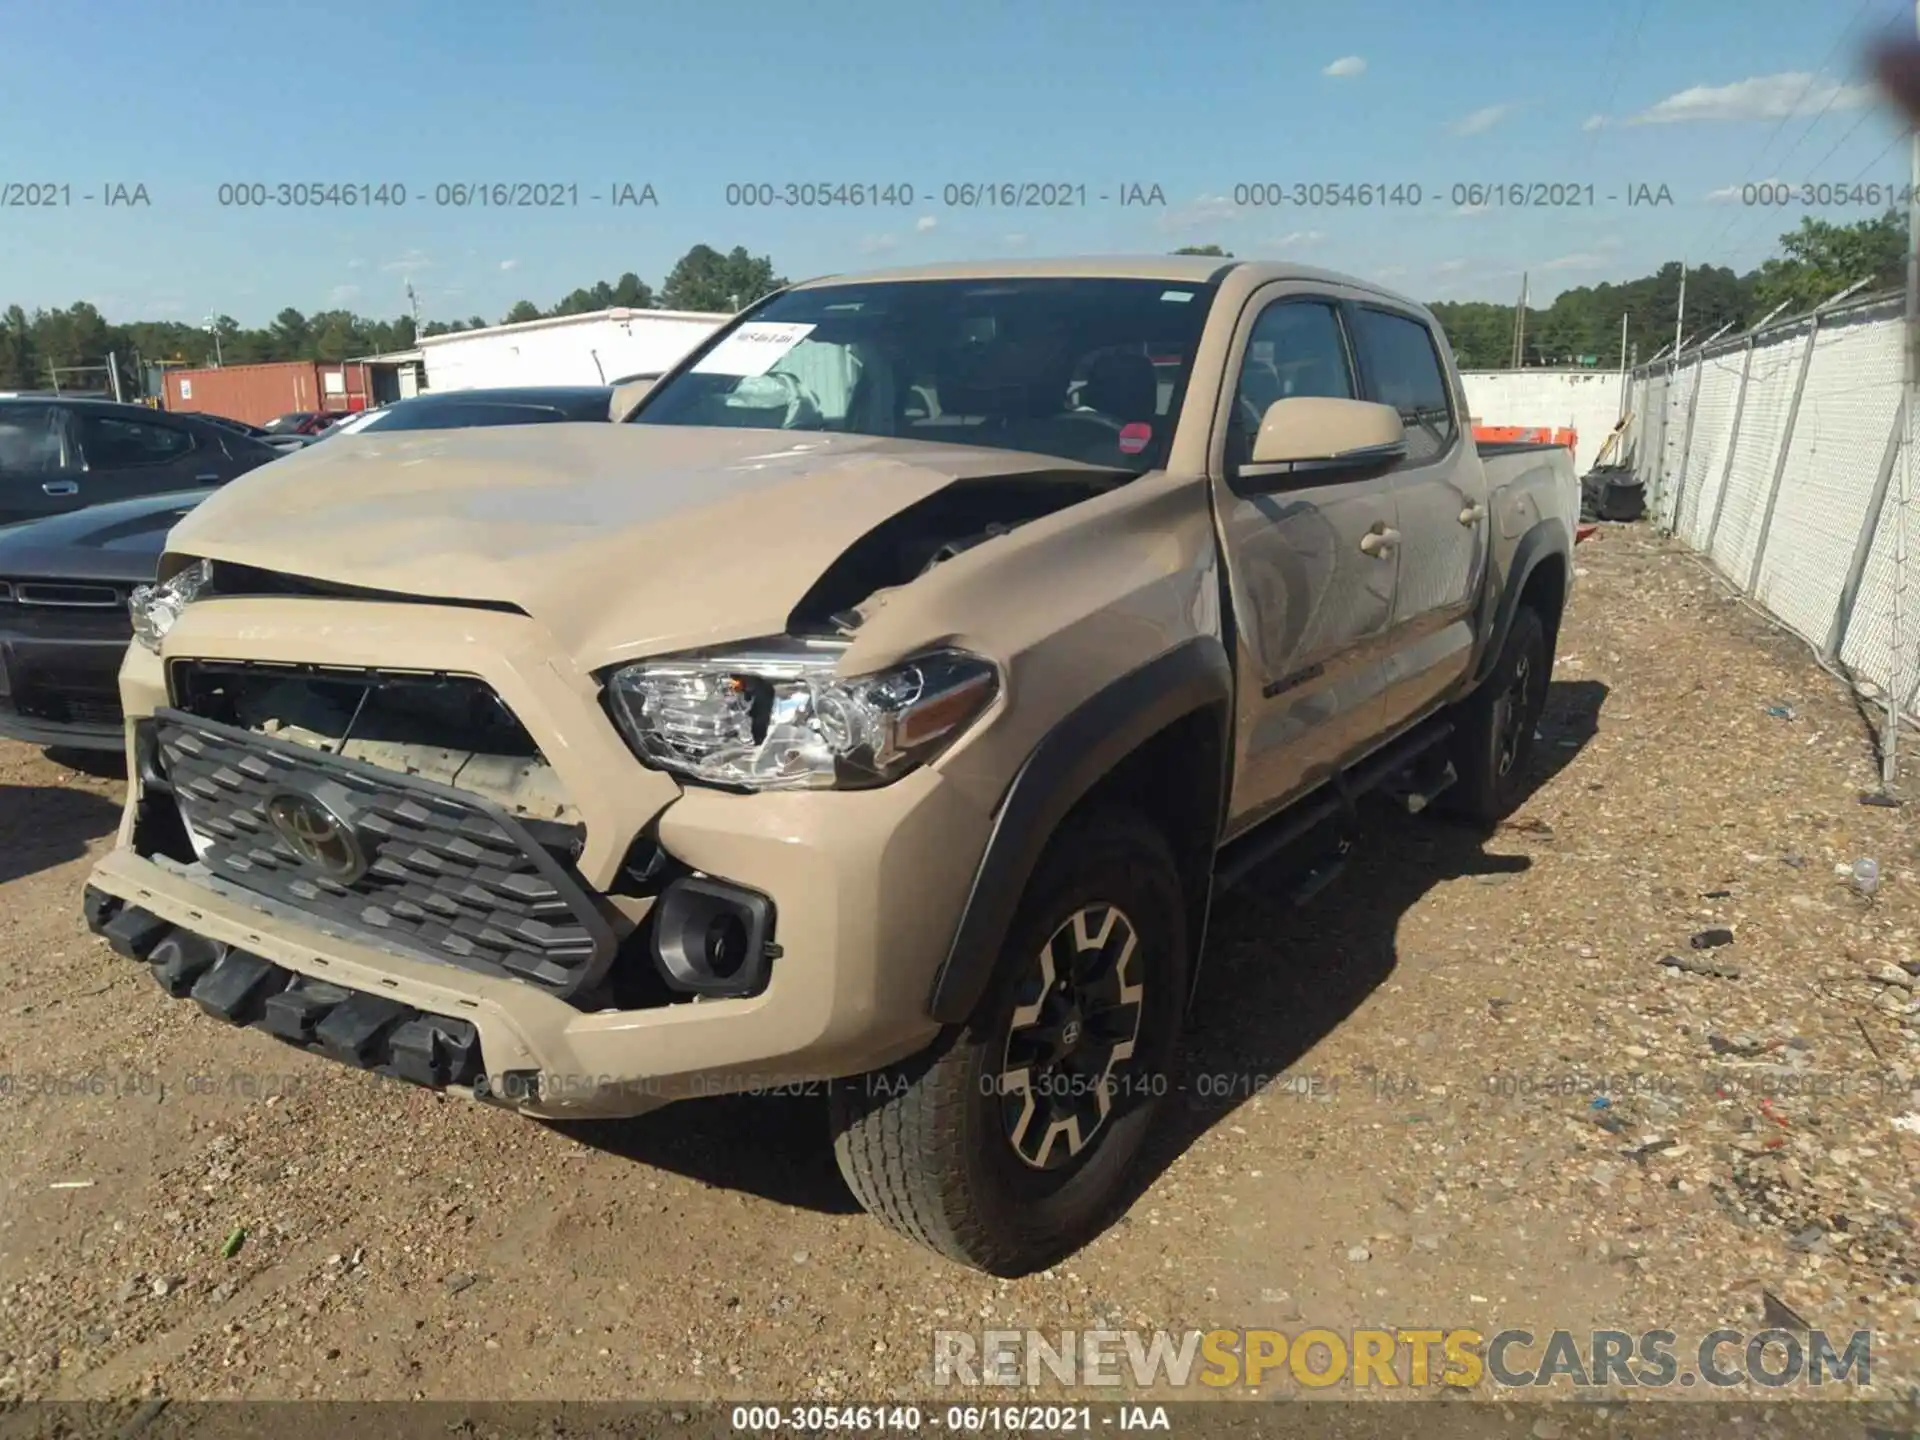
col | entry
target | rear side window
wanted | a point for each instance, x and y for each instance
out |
(114, 444)
(1403, 370)
(30, 440)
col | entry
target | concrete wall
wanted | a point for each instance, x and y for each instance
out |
(1586, 400)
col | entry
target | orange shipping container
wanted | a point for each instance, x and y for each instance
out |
(259, 393)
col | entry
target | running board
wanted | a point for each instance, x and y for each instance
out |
(1240, 857)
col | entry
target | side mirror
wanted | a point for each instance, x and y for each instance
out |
(626, 397)
(1316, 433)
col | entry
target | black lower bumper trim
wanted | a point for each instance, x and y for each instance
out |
(372, 1032)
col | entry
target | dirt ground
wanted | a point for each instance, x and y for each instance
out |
(1502, 1110)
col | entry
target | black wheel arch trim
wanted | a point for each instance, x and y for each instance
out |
(1084, 747)
(1548, 537)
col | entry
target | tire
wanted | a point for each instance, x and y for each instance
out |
(1493, 734)
(952, 1150)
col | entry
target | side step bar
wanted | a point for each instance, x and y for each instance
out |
(1240, 857)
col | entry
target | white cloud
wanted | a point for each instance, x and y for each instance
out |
(1345, 66)
(1449, 267)
(1595, 122)
(356, 264)
(1760, 97)
(1198, 214)
(1013, 242)
(1300, 239)
(509, 264)
(410, 263)
(876, 244)
(926, 223)
(1460, 210)
(340, 294)
(1728, 194)
(1482, 120)
(1582, 261)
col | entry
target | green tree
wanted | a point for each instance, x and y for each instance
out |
(1823, 259)
(523, 310)
(704, 279)
(19, 357)
(293, 337)
(1204, 250)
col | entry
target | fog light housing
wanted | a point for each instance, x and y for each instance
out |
(713, 938)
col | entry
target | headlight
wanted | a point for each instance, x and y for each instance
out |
(156, 607)
(777, 718)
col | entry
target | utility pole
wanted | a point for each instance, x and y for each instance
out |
(1681, 313)
(1623, 342)
(413, 302)
(1520, 320)
(213, 329)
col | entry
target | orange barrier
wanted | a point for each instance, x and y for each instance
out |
(1530, 434)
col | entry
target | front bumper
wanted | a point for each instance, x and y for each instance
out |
(64, 692)
(867, 887)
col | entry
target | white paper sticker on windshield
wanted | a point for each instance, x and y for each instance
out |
(753, 349)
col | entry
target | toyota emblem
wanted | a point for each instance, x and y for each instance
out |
(323, 839)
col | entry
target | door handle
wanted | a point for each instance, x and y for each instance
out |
(1473, 514)
(60, 487)
(1379, 542)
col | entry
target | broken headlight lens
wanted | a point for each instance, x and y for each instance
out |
(780, 719)
(155, 607)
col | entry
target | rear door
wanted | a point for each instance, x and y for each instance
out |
(1312, 606)
(39, 463)
(1440, 496)
(127, 457)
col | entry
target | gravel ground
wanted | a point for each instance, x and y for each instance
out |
(1502, 1109)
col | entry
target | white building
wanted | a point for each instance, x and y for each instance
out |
(601, 348)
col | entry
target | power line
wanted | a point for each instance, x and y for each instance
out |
(1619, 71)
(1787, 114)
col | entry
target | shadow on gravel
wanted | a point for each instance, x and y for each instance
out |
(42, 826)
(1276, 979)
(773, 1146)
(101, 764)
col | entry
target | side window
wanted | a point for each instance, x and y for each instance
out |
(113, 444)
(1404, 371)
(30, 440)
(1297, 348)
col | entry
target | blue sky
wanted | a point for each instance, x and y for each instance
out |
(1197, 98)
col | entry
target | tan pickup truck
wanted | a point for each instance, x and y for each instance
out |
(878, 710)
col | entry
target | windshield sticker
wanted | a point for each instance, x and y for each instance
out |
(1176, 294)
(753, 349)
(1134, 438)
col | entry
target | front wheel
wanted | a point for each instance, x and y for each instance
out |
(1494, 727)
(1008, 1145)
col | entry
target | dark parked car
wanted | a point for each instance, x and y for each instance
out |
(467, 409)
(64, 584)
(59, 454)
(300, 422)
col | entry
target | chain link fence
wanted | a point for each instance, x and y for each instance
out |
(1784, 457)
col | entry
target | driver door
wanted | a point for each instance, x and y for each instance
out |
(1314, 603)
(39, 463)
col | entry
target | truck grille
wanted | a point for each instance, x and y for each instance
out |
(423, 869)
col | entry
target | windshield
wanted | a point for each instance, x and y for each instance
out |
(1086, 369)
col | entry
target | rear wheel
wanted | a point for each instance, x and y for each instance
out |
(1008, 1144)
(1494, 727)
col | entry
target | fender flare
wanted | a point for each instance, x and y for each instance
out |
(1547, 537)
(1069, 761)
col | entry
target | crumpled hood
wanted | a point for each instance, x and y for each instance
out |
(623, 540)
